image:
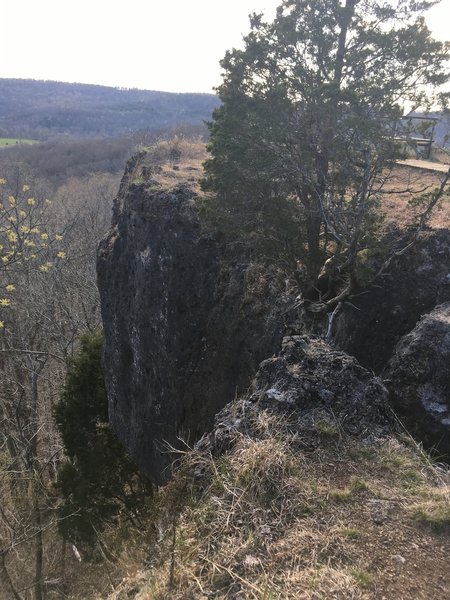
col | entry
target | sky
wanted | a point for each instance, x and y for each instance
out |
(168, 45)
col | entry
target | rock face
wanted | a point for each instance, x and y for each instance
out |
(182, 334)
(186, 327)
(318, 387)
(418, 378)
(417, 281)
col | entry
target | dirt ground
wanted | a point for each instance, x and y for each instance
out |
(404, 184)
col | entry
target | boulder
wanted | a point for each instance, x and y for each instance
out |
(418, 379)
(322, 391)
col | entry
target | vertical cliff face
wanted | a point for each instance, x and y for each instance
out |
(156, 280)
(180, 337)
(187, 323)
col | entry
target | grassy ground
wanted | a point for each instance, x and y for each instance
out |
(13, 141)
(169, 163)
(178, 161)
(403, 184)
(351, 520)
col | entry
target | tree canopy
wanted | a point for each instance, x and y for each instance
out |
(308, 115)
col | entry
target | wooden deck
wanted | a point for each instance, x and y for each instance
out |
(424, 164)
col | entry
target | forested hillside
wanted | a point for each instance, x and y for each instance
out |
(55, 204)
(43, 109)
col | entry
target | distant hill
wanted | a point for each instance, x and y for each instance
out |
(47, 109)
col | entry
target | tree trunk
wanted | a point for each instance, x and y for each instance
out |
(313, 229)
(5, 576)
(35, 469)
(347, 15)
(39, 547)
(317, 203)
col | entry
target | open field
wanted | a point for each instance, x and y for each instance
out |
(13, 141)
(402, 185)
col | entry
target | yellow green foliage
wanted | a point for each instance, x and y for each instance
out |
(25, 241)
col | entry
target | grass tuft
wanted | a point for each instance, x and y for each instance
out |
(363, 578)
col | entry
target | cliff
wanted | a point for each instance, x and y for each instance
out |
(300, 491)
(184, 330)
(187, 321)
(299, 481)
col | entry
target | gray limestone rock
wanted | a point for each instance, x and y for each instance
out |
(186, 326)
(320, 389)
(372, 324)
(418, 378)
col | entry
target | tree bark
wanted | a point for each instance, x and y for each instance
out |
(39, 547)
(4, 574)
(315, 216)
(347, 15)
(34, 468)
(313, 229)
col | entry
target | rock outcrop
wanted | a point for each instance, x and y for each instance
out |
(321, 390)
(418, 378)
(371, 326)
(187, 324)
(183, 332)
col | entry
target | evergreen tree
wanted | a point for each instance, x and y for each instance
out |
(308, 112)
(98, 482)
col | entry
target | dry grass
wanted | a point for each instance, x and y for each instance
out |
(180, 161)
(173, 162)
(434, 509)
(402, 185)
(270, 520)
(274, 520)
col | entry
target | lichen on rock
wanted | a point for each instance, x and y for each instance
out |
(321, 390)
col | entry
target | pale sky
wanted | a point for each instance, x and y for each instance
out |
(169, 45)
